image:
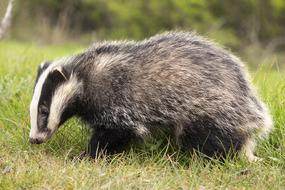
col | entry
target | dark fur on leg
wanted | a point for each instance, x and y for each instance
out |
(106, 141)
(211, 140)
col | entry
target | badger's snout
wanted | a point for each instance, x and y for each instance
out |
(37, 137)
(36, 141)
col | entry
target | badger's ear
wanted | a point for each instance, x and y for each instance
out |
(60, 74)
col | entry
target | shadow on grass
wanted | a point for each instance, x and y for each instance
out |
(71, 143)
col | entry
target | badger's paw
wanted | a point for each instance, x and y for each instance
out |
(253, 158)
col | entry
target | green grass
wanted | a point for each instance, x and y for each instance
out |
(155, 166)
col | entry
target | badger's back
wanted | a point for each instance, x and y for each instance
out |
(173, 80)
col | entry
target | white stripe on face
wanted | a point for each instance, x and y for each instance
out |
(35, 101)
(60, 100)
(34, 132)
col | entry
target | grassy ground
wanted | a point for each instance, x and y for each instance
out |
(54, 165)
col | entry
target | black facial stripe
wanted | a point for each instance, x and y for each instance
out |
(52, 82)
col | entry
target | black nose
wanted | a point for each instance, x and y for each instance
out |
(35, 141)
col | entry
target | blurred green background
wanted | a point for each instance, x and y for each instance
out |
(254, 29)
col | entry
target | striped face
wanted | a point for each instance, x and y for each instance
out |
(53, 100)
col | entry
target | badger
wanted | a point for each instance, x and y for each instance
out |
(174, 81)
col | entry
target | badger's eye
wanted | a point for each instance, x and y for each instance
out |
(43, 110)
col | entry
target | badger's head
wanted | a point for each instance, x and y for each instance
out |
(54, 100)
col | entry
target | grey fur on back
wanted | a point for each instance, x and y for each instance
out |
(173, 80)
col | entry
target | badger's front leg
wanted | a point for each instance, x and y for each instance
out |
(109, 141)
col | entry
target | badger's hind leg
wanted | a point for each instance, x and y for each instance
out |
(221, 138)
(259, 129)
(211, 140)
(248, 150)
(109, 141)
